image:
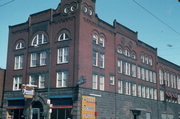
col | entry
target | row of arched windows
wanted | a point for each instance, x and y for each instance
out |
(126, 52)
(40, 39)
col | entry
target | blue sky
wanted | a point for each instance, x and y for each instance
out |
(150, 30)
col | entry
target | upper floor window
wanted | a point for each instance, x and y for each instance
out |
(63, 36)
(120, 87)
(95, 81)
(42, 58)
(95, 38)
(101, 41)
(112, 80)
(119, 50)
(133, 55)
(32, 80)
(101, 60)
(20, 45)
(41, 81)
(33, 62)
(17, 83)
(39, 39)
(142, 59)
(161, 77)
(101, 82)
(127, 53)
(63, 55)
(18, 64)
(61, 80)
(95, 58)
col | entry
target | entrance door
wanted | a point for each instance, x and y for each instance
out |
(35, 113)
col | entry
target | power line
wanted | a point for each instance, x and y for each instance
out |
(160, 20)
(6, 3)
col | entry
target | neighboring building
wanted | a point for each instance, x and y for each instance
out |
(85, 67)
(2, 78)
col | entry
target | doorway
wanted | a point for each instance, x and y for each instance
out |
(35, 113)
(37, 110)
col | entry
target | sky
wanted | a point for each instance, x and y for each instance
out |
(156, 21)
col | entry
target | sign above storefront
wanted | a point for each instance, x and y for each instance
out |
(28, 91)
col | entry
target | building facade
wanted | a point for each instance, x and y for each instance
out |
(72, 58)
(2, 78)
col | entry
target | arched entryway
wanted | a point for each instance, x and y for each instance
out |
(37, 110)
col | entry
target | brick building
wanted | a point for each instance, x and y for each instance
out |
(69, 53)
(2, 78)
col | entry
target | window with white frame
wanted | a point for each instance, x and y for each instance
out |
(63, 55)
(139, 91)
(154, 77)
(63, 36)
(18, 64)
(127, 68)
(32, 80)
(39, 39)
(112, 80)
(147, 75)
(20, 45)
(143, 91)
(151, 93)
(133, 71)
(101, 60)
(178, 82)
(146, 60)
(101, 82)
(150, 61)
(161, 77)
(42, 58)
(150, 76)
(128, 88)
(127, 53)
(168, 80)
(133, 55)
(174, 79)
(142, 59)
(101, 41)
(41, 83)
(17, 83)
(139, 73)
(95, 81)
(165, 78)
(119, 50)
(155, 94)
(134, 90)
(120, 66)
(147, 92)
(95, 39)
(33, 62)
(95, 58)
(120, 87)
(142, 73)
(61, 79)
(161, 95)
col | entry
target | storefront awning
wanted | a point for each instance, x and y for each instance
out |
(137, 109)
(61, 107)
(61, 96)
(15, 98)
(14, 107)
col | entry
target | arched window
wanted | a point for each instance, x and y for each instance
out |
(20, 45)
(95, 38)
(101, 41)
(39, 39)
(133, 55)
(126, 52)
(119, 49)
(63, 36)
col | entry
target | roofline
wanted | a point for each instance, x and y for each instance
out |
(147, 45)
(168, 61)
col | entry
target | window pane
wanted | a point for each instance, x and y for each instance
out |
(94, 80)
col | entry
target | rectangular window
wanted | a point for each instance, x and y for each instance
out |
(42, 81)
(139, 91)
(128, 88)
(42, 58)
(119, 66)
(142, 74)
(17, 83)
(178, 99)
(134, 90)
(112, 80)
(95, 58)
(150, 76)
(143, 92)
(95, 81)
(101, 82)
(139, 73)
(18, 64)
(147, 75)
(101, 60)
(168, 80)
(127, 68)
(147, 92)
(151, 93)
(101, 41)
(172, 82)
(161, 77)
(32, 80)
(154, 77)
(161, 95)
(63, 55)
(120, 87)
(178, 82)
(62, 78)
(155, 94)
(174, 79)
(33, 60)
(133, 71)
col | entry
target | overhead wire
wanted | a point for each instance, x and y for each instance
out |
(6, 3)
(160, 20)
